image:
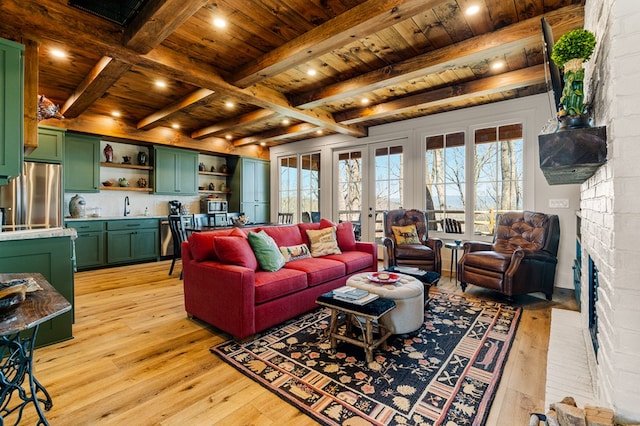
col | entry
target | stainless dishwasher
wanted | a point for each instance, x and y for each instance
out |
(166, 241)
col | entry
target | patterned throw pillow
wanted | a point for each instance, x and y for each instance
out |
(323, 241)
(406, 234)
(266, 251)
(290, 253)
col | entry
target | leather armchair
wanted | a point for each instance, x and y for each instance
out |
(522, 258)
(423, 254)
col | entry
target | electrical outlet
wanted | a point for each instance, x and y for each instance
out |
(559, 203)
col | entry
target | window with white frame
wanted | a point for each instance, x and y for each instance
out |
(496, 178)
(299, 186)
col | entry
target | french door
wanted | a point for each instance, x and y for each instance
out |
(369, 180)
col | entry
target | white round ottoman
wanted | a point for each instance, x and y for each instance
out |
(407, 292)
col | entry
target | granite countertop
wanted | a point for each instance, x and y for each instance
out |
(31, 234)
(72, 219)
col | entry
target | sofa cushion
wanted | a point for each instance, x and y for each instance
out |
(318, 270)
(354, 260)
(323, 242)
(236, 251)
(271, 285)
(344, 234)
(300, 251)
(202, 244)
(285, 235)
(266, 251)
(303, 231)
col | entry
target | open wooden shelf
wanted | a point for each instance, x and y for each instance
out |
(126, 166)
(207, 191)
(125, 188)
(214, 174)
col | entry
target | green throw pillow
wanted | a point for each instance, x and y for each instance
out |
(266, 251)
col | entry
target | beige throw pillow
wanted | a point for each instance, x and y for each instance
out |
(323, 241)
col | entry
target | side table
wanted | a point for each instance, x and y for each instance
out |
(371, 312)
(18, 331)
(454, 247)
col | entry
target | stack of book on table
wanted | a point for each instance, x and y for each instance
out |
(354, 295)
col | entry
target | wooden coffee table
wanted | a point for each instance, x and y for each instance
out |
(370, 312)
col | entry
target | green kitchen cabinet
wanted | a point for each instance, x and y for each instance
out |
(11, 110)
(175, 171)
(81, 163)
(250, 189)
(52, 257)
(90, 244)
(50, 145)
(131, 240)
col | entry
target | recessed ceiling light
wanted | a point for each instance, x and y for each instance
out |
(364, 101)
(229, 104)
(263, 144)
(115, 113)
(497, 65)
(319, 132)
(161, 83)
(228, 137)
(311, 72)
(472, 10)
(219, 22)
(58, 53)
(286, 122)
(175, 125)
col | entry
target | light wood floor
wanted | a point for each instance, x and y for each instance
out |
(137, 359)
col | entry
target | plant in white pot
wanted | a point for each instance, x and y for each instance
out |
(570, 51)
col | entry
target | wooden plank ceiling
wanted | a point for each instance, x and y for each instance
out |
(407, 58)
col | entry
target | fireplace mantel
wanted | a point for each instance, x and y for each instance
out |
(572, 155)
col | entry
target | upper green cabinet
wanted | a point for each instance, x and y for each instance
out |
(250, 189)
(50, 145)
(81, 163)
(175, 171)
(11, 110)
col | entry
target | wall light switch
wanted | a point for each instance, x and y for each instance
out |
(558, 203)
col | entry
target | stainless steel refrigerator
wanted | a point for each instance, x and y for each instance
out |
(34, 199)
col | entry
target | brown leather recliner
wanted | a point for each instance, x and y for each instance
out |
(418, 251)
(522, 258)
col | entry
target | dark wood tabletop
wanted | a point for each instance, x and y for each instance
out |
(38, 306)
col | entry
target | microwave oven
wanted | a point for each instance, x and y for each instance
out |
(213, 206)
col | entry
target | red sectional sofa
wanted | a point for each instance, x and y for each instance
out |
(236, 296)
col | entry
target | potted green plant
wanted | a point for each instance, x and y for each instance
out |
(570, 51)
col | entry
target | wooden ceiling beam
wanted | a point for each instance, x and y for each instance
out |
(276, 135)
(156, 21)
(356, 23)
(486, 86)
(95, 84)
(51, 23)
(228, 126)
(153, 120)
(495, 44)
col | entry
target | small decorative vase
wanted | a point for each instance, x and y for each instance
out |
(142, 183)
(77, 206)
(108, 153)
(213, 169)
(142, 158)
(224, 169)
(212, 187)
(201, 167)
(223, 187)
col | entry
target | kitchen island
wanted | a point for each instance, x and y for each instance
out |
(50, 253)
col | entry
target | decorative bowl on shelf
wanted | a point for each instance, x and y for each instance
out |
(201, 188)
(107, 183)
(240, 220)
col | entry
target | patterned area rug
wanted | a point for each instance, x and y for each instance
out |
(447, 372)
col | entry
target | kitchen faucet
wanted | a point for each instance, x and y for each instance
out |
(126, 204)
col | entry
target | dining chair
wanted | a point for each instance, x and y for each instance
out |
(178, 225)
(285, 218)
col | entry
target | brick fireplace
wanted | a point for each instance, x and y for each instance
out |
(610, 209)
